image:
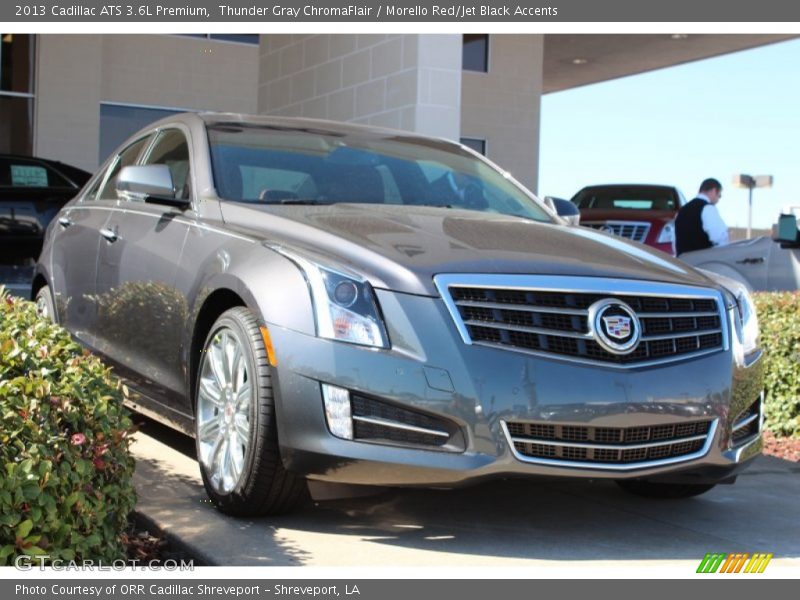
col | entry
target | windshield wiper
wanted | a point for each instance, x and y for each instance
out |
(301, 201)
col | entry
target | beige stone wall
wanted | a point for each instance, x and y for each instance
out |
(410, 82)
(75, 73)
(503, 106)
(67, 121)
(179, 71)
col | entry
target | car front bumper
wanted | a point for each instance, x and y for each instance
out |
(479, 390)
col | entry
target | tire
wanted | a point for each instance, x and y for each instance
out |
(235, 423)
(45, 305)
(664, 491)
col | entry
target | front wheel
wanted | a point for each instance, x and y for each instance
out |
(671, 491)
(45, 305)
(235, 423)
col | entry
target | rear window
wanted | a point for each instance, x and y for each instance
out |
(15, 172)
(627, 198)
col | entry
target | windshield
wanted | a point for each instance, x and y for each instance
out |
(639, 197)
(271, 164)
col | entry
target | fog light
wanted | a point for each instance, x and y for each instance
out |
(337, 411)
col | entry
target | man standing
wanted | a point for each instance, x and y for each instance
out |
(698, 224)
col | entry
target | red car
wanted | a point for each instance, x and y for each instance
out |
(642, 213)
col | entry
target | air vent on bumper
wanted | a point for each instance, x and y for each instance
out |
(354, 416)
(747, 424)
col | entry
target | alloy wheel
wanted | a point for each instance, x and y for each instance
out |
(223, 410)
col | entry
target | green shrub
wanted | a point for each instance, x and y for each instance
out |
(66, 487)
(779, 318)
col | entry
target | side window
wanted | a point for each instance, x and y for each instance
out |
(125, 158)
(171, 149)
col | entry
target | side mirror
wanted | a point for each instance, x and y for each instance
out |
(565, 209)
(149, 183)
(788, 235)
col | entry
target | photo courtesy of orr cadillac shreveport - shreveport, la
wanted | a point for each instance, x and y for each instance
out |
(352, 304)
(164, 589)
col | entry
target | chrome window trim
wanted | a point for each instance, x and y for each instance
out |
(580, 285)
(598, 466)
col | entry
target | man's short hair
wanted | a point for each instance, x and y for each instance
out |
(710, 184)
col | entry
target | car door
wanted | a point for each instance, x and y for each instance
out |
(138, 259)
(75, 247)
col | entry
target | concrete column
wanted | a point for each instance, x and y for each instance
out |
(410, 82)
(68, 77)
(503, 106)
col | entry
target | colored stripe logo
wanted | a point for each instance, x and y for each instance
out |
(716, 562)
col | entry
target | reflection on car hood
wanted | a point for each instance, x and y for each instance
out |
(402, 247)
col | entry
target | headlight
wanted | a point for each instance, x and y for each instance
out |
(742, 312)
(667, 235)
(747, 322)
(344, 303)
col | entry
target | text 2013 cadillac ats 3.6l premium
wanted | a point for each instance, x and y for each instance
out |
(324, 302)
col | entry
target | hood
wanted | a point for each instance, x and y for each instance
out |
(605, 214)
(401, 248)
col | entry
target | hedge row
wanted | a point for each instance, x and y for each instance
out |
(779, 317)
(66, 487)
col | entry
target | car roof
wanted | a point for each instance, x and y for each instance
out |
(319, 126)
(623, 185)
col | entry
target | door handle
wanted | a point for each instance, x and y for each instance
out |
(751, 261)
(109, 234)
(65, 222)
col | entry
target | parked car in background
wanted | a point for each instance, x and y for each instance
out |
(32, 191)
(762, 264)
(642, 213)
(315, 301)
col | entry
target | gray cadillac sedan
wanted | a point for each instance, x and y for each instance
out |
(321, 302)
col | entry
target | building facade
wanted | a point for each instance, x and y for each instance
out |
(74, 98)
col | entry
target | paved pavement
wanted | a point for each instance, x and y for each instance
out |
(509, 523)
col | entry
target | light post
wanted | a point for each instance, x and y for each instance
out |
(741, 180)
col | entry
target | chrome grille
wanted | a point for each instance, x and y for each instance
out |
(609, 447)
(529, 313)
(631, 230)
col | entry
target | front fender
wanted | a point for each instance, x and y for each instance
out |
(269, 284)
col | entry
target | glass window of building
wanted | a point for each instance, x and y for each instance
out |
(476, 144)
(475, 52)
(16, 93)
(240, 38)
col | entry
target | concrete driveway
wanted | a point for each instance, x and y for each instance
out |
(507, 523)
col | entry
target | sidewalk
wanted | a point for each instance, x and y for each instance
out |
(506, 523)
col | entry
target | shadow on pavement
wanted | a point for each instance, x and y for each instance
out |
(507, 519)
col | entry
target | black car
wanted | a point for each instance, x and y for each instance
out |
(32, 191)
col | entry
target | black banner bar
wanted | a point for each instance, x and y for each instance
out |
(376, 589)
(407, 11)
